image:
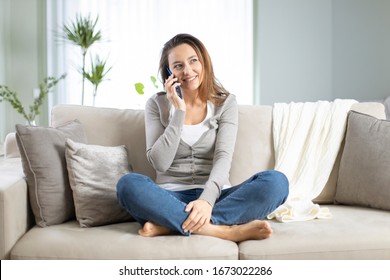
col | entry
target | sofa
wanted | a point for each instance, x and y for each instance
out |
(357, 230)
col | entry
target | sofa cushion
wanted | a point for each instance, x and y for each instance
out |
(328, 193)
(94, 171)
(353, 233)
(117, 241)
(364, 177)
(42, 152)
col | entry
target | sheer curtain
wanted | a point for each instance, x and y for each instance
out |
(134, 32)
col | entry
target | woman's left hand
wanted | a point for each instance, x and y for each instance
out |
(200, 215)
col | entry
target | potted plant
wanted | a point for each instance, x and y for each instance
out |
(82, 32)
(34, 110)
(97, 74)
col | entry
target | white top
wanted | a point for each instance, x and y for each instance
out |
(191, 133)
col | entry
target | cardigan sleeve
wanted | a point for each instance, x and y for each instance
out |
(224, 148)
(161, 142)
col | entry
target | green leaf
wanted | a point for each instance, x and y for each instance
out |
(98, 71)
(154, 81)
(82, 32)
(34, 110)
(139, 87)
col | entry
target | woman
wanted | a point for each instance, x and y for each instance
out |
(190, 143)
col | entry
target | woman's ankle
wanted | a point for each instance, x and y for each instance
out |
(151, 229)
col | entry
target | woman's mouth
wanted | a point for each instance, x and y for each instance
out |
(189, 80)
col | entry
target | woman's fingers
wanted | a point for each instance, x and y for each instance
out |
(193, 222)
(200, 214)
(170, 86)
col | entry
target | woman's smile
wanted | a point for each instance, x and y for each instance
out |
(188, 80)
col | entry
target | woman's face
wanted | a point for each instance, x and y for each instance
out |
(185, 65)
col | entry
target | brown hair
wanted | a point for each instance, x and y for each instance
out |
(210, 88)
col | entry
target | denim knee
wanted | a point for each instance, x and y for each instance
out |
(273, 185)
(280, 184)
(127, 186)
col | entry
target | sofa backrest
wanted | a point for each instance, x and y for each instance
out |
(110, 127)
(254, 150)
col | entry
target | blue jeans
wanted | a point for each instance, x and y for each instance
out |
(251, 200)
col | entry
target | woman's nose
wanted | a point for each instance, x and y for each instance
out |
(187, 69)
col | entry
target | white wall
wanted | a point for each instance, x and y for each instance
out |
(322, 49)
(294, 41)
(361, 49)
(22, 56)
(3, 106)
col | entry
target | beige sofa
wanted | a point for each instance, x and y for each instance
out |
(354, 232)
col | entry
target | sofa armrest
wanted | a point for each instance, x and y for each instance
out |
(15, 213)
(11, 149)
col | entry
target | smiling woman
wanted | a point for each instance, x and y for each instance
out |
(133, 33)
(190, 143)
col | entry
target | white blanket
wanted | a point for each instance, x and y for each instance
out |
(307, 138)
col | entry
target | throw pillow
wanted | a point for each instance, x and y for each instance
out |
(42, 150)
(364, 177)
(93, 174)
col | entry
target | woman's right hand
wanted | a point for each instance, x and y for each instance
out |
(170, 86)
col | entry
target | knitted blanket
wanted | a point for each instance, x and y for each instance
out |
(307, 139)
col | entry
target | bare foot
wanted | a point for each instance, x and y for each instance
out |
(151, 229)
(255, 230)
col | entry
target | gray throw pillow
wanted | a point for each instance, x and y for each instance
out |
(364, 175)
(42, 150)
(94, 171)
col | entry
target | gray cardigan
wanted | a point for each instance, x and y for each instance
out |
(207, 162)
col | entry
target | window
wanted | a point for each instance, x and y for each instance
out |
(134, 33)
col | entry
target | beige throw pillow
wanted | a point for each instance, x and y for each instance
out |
(42, 150)
(364, 175)
(94, 171)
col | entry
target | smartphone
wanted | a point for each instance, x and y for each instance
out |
(178, 90)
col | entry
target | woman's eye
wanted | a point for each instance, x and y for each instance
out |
(178, 67)
(194, 60)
